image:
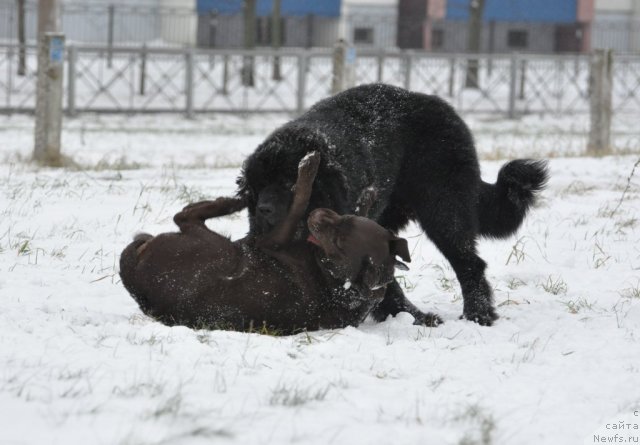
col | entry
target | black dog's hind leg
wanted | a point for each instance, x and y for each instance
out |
(450, 222)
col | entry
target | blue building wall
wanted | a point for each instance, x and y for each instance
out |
(518, 10)
(327, 8)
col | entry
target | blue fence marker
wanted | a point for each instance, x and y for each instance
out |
(56, 50)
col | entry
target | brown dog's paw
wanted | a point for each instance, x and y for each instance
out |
(308, 165)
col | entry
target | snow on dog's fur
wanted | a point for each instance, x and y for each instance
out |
(420, 157)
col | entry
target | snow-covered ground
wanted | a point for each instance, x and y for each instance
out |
(79, 363)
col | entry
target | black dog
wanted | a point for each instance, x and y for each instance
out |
(420, 157)
(199, 278)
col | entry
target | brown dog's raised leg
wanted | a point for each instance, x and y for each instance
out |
(283, 233)
(194, 215)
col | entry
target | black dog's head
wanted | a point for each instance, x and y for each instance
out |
(266, 184)
(357, 249)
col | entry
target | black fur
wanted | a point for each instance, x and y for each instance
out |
(419, 156)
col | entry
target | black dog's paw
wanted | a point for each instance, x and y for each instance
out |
(484, 317)
(429, 319)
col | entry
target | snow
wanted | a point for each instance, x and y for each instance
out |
(81, 364)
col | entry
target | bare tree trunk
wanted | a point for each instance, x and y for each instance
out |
(476, 9)
(276, 38)
(48, 126)
(249, 41)
(22, 63)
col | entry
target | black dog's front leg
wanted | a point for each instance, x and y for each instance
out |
(395, 301)
(365, 201)
(196, 214)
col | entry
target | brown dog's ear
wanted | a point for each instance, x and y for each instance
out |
(369, 274)
(399, 247)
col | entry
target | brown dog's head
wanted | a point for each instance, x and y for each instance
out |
(357, 249)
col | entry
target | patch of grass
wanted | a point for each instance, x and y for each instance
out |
(483, 426)
(576, 188)
(24, 247)
(188, 195)
(204, 337)
(555, 286)
(631, 291)
(59, 253)
(517, 254)
(629, 223)
(515, 283)
(119, 164)
(443, 281)
(406, 284)
(169, 407)
(605, 211)
(293, 396)
(575, 306)
(599, 257)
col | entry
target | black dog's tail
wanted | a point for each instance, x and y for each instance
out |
(128, 262)
(504, 205)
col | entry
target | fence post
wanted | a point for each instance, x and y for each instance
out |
(523, 77)
(344, 59)
(110, 25)
(71, 81)
(225, 75)
(600, 89)
(22, 57)
(143, 68)
(407, 71)
(248, 70)
(513, 81)
(49, 99)
(302, 82)
(380, 66)
(9, 83)
(452, 75)
(188, 74)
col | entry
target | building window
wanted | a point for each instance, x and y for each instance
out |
(437, 39)
(264, 31)
(517, 39)
(363, 35)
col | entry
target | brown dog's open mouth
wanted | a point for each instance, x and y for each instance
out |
(312, 239)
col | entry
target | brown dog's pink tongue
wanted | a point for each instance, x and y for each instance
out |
(313, 239)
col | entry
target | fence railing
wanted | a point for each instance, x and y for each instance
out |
(149, 80)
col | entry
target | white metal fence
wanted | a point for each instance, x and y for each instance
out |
(147, 80)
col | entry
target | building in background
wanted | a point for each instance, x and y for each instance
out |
(370, 23)
(160, 22)
(616, 25)
(508, 25)
(304, 23)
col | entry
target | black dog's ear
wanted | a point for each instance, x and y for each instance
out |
(399, 247)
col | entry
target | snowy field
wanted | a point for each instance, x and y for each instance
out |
(80, 364)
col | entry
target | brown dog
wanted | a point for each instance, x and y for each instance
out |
(201, 279)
